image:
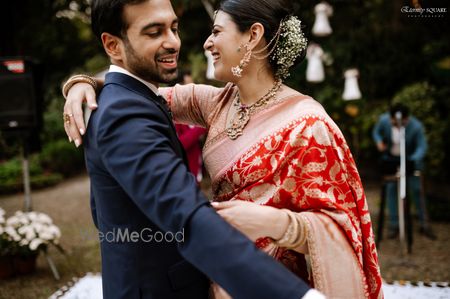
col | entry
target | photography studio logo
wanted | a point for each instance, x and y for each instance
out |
(420, 9)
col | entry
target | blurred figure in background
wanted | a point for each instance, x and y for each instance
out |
(191, 136)
(386, 135)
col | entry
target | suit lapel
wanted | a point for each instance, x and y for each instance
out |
(138, 87)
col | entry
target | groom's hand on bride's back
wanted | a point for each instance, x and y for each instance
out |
(78, 94)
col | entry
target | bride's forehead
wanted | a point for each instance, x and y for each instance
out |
(221, 18)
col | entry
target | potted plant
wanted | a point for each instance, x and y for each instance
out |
(26, 235)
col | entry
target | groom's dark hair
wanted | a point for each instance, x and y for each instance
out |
(107, 16)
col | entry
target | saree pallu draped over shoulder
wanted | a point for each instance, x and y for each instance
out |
(292, 156)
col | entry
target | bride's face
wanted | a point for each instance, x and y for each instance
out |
(224, 43)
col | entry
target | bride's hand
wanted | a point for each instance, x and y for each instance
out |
(78, 94)
(253, 220)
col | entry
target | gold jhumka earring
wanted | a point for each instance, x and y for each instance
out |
(237, 70)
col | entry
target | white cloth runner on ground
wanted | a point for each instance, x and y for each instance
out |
(90, 287)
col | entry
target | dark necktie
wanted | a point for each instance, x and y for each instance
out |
(166, 107)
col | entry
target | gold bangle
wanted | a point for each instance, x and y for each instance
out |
(295, 234)
(78, 79)
(290, 230)
(302, 233)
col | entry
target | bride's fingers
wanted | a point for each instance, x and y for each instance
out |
(223, 205)
(71, 128)
(67, 129)
(90, 99)
(78, 116)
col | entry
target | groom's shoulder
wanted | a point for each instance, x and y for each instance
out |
(120, 86)
(116, 91)
(118, 102)
(119, 96)
(124, 97)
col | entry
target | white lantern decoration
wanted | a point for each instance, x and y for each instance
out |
(351, 89)
(322, 26)
(210, 66)
(314, 71)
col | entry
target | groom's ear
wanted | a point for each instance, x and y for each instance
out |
(113, 46)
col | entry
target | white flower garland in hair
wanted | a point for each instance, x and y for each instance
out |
(291, 45)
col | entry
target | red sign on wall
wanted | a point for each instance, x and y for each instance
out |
(15, 66)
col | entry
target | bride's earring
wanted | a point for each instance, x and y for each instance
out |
(237, 70)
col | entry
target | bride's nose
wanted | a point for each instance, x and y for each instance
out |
(208, 43)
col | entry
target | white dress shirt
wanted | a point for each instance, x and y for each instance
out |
(395, 148)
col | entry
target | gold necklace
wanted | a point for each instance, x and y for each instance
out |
(242, 116)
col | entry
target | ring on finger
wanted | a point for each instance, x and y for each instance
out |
(66, 117)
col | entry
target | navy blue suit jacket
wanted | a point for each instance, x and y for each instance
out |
(140, 187)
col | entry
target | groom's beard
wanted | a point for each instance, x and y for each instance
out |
(146, 69)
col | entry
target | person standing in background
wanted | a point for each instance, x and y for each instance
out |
(386, 135)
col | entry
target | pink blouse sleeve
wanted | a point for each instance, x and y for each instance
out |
(192, 103)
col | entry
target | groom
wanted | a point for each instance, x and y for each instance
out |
(159, 236)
